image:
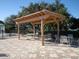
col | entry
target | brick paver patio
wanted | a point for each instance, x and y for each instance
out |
(12, 48)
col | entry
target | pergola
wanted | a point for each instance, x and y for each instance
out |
(41, 17)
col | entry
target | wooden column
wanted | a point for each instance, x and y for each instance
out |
(42, 32)
(33, 30)
(18, 32)
(58, 38)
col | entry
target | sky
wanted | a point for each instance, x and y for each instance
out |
(12, 7)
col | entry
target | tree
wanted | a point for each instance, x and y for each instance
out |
(10, 23)
(57, 7)
(74, 23)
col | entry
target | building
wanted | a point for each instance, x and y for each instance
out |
(2, 27)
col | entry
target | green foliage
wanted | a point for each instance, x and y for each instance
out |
(10, 23)
(74, 23)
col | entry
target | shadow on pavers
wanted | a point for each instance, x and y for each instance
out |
(4, 56)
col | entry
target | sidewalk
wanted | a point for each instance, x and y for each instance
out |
(28, 49)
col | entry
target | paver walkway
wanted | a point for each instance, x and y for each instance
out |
(12, 48)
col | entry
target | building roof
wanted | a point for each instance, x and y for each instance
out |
(1, 22)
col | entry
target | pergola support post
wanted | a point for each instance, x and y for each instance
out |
(33, 30)
(42, 32)
(18, 32)
(58, 32)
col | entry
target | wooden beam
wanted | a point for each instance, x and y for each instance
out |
(38, 22)
(18, 31)
(34, 19)
(42, 32)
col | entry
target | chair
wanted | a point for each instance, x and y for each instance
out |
(70, 38)
(64, 40)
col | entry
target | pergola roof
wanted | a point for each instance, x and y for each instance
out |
(47, 16)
